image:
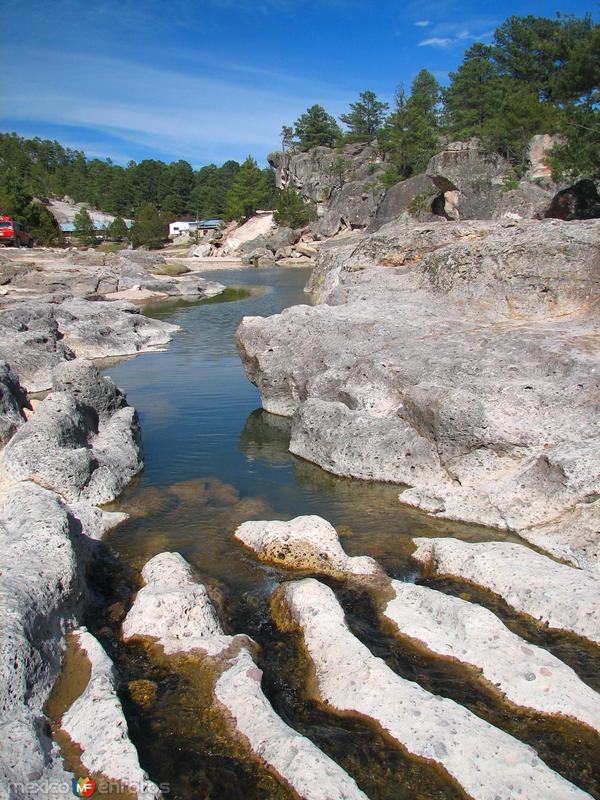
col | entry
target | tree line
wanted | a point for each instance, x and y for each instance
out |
(39, 168)
(538, 75)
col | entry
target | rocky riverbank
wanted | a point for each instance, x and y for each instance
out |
(458, 360)
(62, 458)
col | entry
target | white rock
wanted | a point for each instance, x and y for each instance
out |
(308, 542)
(488, 763)
(563, 597)
(527, 675)
(105, 745)
(42, 560)
(177, 612)
(311, 773)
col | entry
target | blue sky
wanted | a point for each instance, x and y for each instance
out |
(208, 80)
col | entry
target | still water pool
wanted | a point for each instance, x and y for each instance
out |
(214, 459)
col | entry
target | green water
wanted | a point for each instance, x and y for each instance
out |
(213, 459)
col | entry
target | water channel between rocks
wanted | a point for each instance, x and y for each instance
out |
(213, 459)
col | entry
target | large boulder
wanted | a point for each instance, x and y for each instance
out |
(478, 177)
(411, 198)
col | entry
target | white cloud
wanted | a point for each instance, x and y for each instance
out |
(436, 41)
(422, 23)
(194, 116)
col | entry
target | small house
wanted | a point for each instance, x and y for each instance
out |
(203, 226)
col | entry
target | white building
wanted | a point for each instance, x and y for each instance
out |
(205, 226)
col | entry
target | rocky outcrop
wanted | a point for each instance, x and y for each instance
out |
(83, 443)
(106, 749)
(346, 185)
(455, 358)
(13, 402)
(134, 276)
(558, 596)
(32, 344)
(487, 763)
(306, 543)
(38, 336)
(257, 226)
(175, 611)
(45, 545)
(409, 200)
(527, 676)
(477, 176)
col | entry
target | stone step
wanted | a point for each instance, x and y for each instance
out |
(175, 611)
(488, 763)
(562, 597)
(526, 675)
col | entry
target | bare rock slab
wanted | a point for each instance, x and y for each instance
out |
(175, 611)
(298, 762)
(83, 441)
(560, 596)
(105, 745)
(526, 675)
(487, 763)
(307, 542)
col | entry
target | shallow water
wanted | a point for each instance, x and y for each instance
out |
(212, 460)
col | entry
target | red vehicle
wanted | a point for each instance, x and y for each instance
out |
(13, 233)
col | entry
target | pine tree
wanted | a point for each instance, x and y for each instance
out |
(474, 92)
(411, 135)
(149, 227)
(316, 128)
(84, 229)
(292, 210)
(366, 117)
(251, 189)
(118, 230)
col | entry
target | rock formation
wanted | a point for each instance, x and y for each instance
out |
(345, 185)
(174, 611)
(487, 763)
(526, 675)
(557, 595)
(105, 746)
(307, 543)
(454, 358)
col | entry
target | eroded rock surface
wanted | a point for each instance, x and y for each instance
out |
(559, 596)
(175, 611)
(308, 543)
(82, 442)
(526, 675)
(457, 358)
(36, 336)
(13, 402)
(487, 763)
(106, 749)
(44, 547)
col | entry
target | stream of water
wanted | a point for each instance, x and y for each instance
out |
(214, 459)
